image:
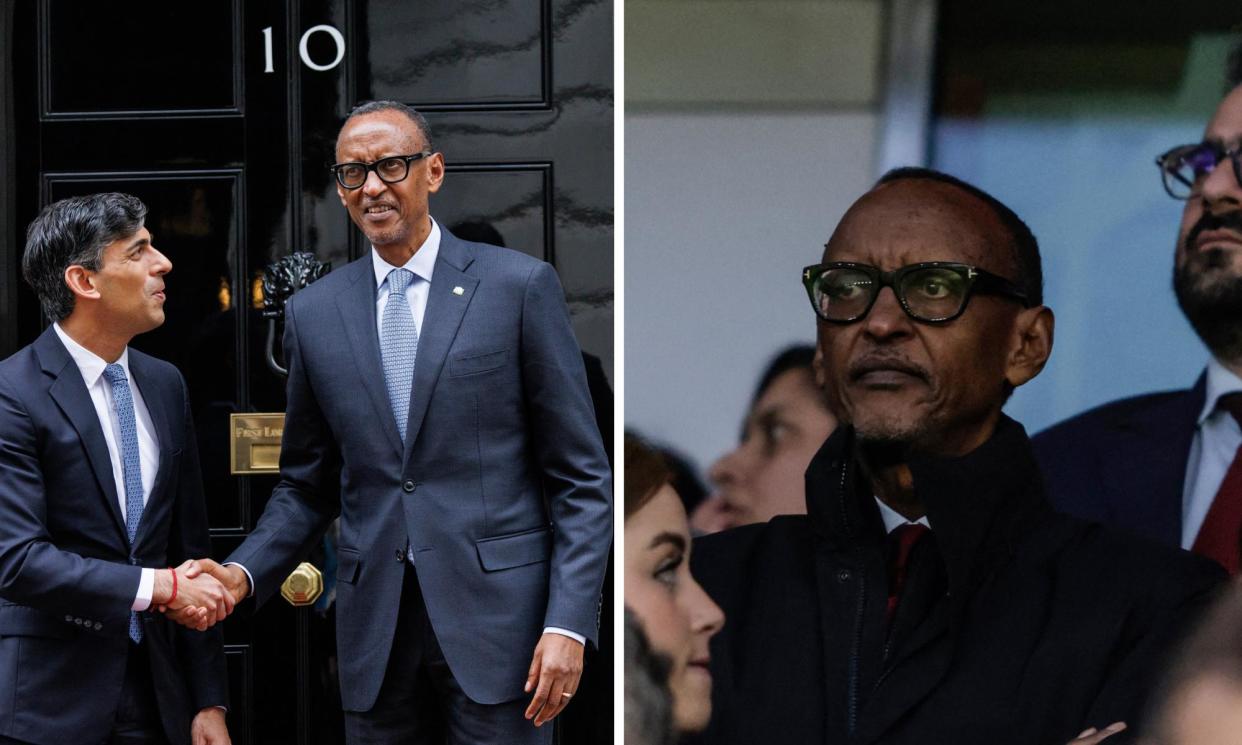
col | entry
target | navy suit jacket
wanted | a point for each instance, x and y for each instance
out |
(68, 575)
(502, 488)
(1124, 463)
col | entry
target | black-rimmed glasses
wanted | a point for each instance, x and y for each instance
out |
(390, 170)
(933, 292)
(1184, 168)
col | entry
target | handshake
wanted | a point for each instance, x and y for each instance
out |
(199, 593)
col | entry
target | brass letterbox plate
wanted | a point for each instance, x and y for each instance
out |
(254, 443)
(304, 586)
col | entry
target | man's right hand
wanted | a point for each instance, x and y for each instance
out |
(200, 601)
(232, 577)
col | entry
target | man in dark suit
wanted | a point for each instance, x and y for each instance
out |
(931, 594)
(1168, 465)
(99, 492)
(437, 403)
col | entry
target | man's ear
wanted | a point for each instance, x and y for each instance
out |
(435, 172)
(81, 281)
(1031, 344)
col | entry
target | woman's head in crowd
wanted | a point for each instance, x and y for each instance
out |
(676, 615)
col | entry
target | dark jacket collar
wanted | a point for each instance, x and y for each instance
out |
(980, 505)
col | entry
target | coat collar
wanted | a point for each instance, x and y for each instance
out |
(1158, 436)
(450, 295)
(980, 505)
(69, 392)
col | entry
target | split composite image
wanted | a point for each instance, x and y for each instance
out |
(647, 372)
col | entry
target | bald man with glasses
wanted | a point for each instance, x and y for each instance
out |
(931, 594)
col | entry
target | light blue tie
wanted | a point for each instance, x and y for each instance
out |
(123, 400)
(398, 346)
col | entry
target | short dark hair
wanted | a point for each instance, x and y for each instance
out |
(75, 231)
(1024, 249)
(371, 107)
(794, 357)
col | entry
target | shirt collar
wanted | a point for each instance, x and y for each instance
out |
(1220, 381)
(894, 519)
(981, 505)
(422, 263)
(89, 364)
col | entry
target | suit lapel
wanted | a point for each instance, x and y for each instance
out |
(357, 307)
(69, 392)
(159, 401)
(450, 295)
(1148, 464)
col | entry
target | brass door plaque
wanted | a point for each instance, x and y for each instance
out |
(254, 443)
(304, 586)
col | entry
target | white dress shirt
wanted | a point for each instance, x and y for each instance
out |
(422, 265)
(1216, 441)
(894, 519)
(92, 366)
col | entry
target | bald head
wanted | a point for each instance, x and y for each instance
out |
(1003, 230)
(928, 382)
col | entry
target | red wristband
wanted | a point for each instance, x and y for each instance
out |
(174, 590)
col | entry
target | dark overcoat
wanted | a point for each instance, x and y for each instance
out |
(1017, 625)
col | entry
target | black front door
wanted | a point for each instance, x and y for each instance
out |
(222, 117)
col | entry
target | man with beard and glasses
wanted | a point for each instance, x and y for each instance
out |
(931, 594)
(1169, 465)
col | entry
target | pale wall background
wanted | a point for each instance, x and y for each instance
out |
(742, 152)
(753, 124)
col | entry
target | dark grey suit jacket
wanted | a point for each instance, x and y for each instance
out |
(502, 488)
(1124, 463)
(68, 575)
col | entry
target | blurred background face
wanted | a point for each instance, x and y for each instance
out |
(676, 614)
(1207, 712)
(764, 476)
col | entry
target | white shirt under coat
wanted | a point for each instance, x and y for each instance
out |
(92, 367)
(1212, 450)
(894, 519)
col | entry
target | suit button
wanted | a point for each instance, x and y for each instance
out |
(133, 562)
(98, 625)
(844, 575)
(400, 555)
(408, 486)
(68, 619)
(78, 621)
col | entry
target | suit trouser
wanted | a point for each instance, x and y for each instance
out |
(421, 703)
(137, 716)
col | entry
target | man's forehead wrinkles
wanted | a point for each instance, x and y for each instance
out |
(369, 135)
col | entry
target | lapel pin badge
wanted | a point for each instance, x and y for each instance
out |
(458, 290)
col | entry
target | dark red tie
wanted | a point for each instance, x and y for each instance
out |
(903, 538)
(1222, 528)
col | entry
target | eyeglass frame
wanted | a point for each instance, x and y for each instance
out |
(1233, 154)
(370, 167)
(979, 281)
